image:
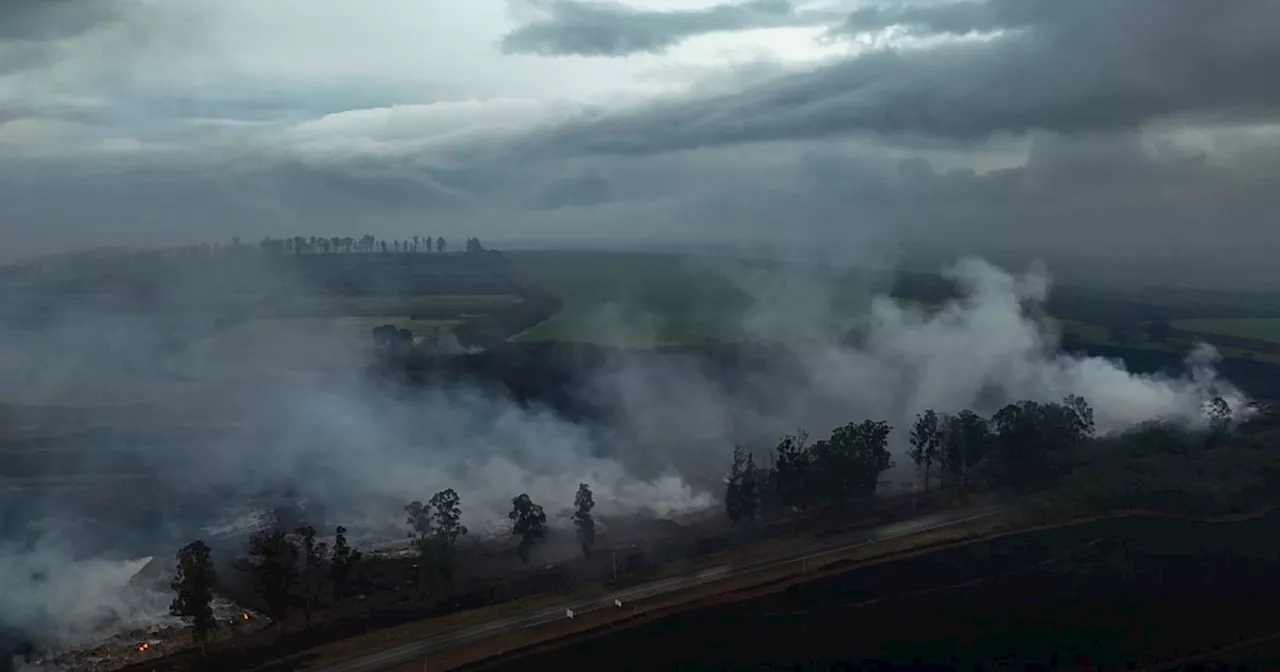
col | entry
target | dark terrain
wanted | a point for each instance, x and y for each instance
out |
(1115, 593)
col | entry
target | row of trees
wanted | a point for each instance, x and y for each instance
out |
(281, 564)
(364, 244)
(844, 467)
(1023, 445)
(284, 564)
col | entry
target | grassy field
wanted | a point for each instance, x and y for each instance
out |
(655, 299)
(431, 307)
(1263, 329)
(641, 299)
(632, 299)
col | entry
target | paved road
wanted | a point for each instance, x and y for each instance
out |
(401, 655)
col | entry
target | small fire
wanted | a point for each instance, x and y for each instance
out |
(142, 648)
(245, 616)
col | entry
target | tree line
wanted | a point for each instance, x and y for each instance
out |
(1024, 445)
(287, 565)
(365, 244)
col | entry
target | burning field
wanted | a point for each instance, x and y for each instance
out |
(164, 635)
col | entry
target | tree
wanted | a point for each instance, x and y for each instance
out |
(1220, 416)
(792, 472)
(735, 504)
(1159, 331)
(925, 442)
(440, 244)
(583, 502)
(1030, 436)
(314, 556)
(964, 440)
(273, 563)
(1079, 414)
(750, 489)
(529, 522)
(447, 517)
(850, 462)
(193, 586)
(419, 521)
(343, 564)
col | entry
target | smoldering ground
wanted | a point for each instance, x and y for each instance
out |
(286, 405)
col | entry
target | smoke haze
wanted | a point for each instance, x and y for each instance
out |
(286, 405)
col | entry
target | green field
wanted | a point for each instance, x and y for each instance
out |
(430, 306)
(632, 299)
(640, 299)
(655, 299)
(1263, 329)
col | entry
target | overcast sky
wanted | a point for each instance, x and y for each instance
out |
(1117, 126)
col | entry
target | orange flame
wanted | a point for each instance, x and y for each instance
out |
(143, 647)
(246, 616)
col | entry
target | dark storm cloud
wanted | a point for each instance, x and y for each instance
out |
(40, 20)
(612, 29)
(29, 29)
(1089, 65)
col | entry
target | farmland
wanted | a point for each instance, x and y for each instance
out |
(660, 299)
(632, 299)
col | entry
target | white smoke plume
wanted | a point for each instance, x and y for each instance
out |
(286, 406)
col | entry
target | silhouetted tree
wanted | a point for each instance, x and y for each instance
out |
(529, 523)
(419, 521)
(793, 471)
(447, 517)
(850, 462)
(964, 437)
(750, 489)
(734, 503)
(1029, 437)
(440, 244)
(583, 502)
(273, 563)
(193, 586)
(343, 564)
(925, 443)
(314, 556)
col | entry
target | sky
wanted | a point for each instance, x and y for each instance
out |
(1110, 130)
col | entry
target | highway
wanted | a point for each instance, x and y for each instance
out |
(406, 653)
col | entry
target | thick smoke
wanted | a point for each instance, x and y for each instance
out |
(281, 404)
(890, 361)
